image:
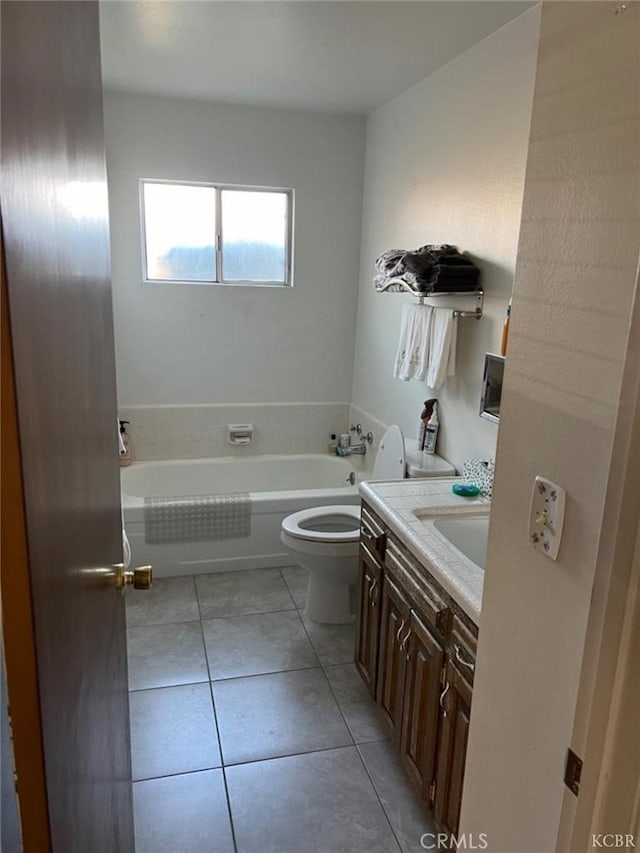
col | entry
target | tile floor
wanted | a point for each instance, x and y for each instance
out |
(251, 730)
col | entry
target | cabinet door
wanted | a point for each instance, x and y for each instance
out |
(368, 620)
(394, 625)
(422, 689)
(456, 709)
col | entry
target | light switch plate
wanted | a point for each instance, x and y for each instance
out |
(546, 519)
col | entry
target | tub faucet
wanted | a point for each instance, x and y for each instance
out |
(357, 449)
(359, 446)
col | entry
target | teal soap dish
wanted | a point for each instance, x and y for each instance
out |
(465, 490)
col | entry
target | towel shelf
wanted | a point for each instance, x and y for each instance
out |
(477, 294)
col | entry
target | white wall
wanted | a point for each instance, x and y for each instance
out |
(575, 280)
(178, 344)
(445, 163)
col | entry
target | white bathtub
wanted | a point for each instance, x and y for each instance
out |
(277, 485)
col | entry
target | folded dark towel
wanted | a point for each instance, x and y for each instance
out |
(457, 272)
(429, 268)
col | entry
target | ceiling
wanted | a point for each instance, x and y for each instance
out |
(304, 54)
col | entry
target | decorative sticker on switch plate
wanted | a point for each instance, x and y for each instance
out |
(547, 517)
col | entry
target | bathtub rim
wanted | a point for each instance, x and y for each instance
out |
(261, 501)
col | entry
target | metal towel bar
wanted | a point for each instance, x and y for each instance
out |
(477, 294)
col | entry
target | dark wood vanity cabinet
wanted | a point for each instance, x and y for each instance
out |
(394, 627)
(415, 651)
(456, 710)
(367, 638)
(370, 567)
(422, 689)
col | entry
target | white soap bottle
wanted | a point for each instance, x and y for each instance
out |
(432, 432)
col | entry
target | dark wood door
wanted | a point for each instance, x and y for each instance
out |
(368, 621)
(394, 626)
(456, 710)
(425, 658)
(55, 224)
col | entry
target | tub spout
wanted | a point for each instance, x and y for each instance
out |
(358, 449)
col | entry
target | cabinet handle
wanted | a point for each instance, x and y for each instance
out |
(364, 531)
(461, 660)
(403, 644)
(398, 632)
(371, 591)
(442, 697)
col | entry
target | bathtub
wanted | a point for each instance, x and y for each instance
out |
(277, 486)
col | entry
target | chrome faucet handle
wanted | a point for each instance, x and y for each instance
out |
(357, 428)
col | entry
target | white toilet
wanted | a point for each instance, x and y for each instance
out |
(324, 539)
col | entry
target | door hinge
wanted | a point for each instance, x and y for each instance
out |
(573, 772)
(432, 792)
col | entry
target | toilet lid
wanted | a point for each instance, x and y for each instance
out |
(339, 523)
(390, 458)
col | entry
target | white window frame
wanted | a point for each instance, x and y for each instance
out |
(217, 237)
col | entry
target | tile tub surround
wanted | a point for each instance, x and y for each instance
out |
(224, 764)
(402, 503)
(195, 432)
(372, 425)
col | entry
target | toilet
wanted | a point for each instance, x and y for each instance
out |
(324, 539)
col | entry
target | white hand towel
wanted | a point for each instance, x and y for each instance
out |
(412, 357)
(441, 347)
(451, 366)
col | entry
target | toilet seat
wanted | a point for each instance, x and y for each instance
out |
(390, 461)
(302, 524)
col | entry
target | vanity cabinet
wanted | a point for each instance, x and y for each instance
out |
(456, 710)
(422, 689)
(367, 638)
(415, 650)
(370, 569)
(395, 613)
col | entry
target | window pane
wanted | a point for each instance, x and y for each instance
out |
(180, 230)
(254, 236)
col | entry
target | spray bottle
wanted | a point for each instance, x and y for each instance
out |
(432, 430)
(425, 417)
(126, 457)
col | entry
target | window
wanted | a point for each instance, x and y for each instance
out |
(210, 234)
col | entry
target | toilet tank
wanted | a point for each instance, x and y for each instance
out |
(420, 466)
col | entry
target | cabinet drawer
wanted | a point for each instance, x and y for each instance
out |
(372, 534)
(413, 578)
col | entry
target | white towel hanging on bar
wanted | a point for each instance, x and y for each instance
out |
(442, 344)
(412, 356)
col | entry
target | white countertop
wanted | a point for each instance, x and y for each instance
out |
(399, 502)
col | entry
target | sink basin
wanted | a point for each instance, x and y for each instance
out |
(467, 534)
